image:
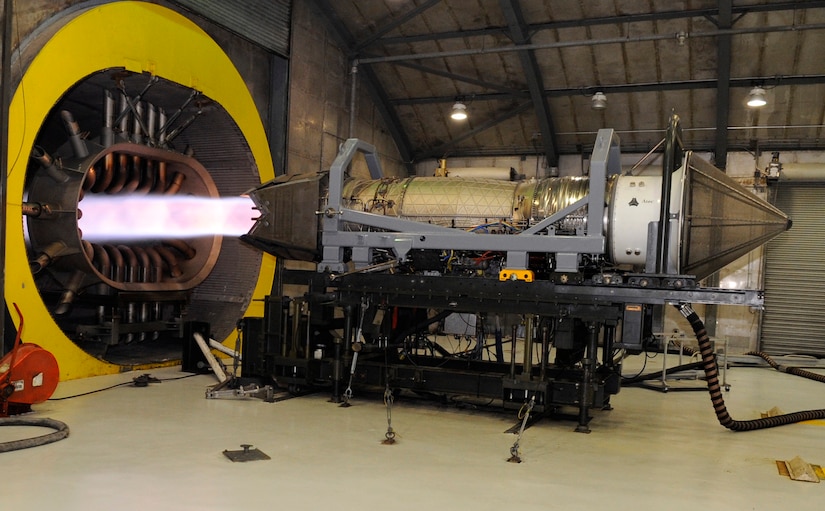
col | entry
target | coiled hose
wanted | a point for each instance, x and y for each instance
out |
(61, 432)
(712, 375)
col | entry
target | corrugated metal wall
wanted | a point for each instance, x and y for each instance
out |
(794, 317)
(264, 22)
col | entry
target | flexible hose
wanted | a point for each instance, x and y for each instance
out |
(712, 375)
(61, 432)
(790, 370)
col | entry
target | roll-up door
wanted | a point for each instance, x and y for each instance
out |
(794, 317)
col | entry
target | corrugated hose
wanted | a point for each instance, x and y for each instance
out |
(61, 432)
(712, 376)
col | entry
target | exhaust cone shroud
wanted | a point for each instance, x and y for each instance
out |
(722, 220)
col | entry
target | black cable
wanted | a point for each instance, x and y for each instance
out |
(637, 375)
(712, 374)
(61, 432)
(123, 384)
(90, 392)
(639, 378)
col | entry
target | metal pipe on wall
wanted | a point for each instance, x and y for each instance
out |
(352, 100)
(5, 101)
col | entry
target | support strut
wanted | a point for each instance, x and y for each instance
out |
(589, 369)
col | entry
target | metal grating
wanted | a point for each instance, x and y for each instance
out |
(264, 22)
(724, 221)
(794, 317)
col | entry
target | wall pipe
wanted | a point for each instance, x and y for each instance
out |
(745, 82)
(585, 42)
(730, 128)
(352, 100)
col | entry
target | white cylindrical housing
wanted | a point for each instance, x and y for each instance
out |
(635, 203)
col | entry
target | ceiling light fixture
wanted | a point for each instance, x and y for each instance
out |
(598, 101)
(756, 98)
(459, 112)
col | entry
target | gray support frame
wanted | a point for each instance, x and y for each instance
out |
(400, 235)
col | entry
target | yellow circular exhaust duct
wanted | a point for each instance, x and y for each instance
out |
(140, 38)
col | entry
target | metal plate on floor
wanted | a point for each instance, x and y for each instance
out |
(782, 468)
(246, 454)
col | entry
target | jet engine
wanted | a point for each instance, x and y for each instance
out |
(523, 293)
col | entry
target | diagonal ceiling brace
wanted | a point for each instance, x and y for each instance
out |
(532, 74)
(460, 78)
(441, 150)
(394, 24)
(371, 83)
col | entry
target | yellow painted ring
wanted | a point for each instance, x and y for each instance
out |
(140, 37)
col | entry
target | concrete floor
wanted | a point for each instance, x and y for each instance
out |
(161, 447)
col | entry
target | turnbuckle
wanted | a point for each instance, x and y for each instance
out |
(514, 454)
(389, 436)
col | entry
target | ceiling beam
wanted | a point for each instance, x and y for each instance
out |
(627, 88)
(370, 82)
(723, 60)
(532, 75)
(606, 20)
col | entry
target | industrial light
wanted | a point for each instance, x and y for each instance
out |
(599, 101)
(756, 98)
(459, 111)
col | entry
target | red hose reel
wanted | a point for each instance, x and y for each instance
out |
(28, 375)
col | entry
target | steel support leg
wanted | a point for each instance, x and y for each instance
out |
(588, 366)
(607, 360)
(340, 345)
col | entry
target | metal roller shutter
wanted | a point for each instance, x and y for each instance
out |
(264, 22)
(794, 317)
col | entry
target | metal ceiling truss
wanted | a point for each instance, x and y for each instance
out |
(532, 75)
(723, 17)
(711, 14)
